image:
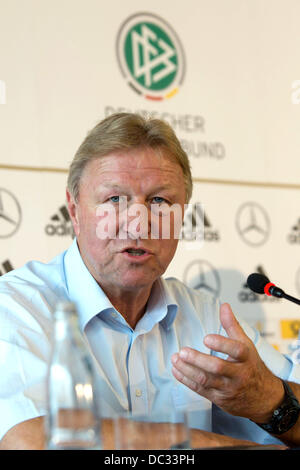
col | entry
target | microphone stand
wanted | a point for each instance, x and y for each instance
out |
(292, 299)
(277, 292)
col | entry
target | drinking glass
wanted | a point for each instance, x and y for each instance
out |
(163, 430)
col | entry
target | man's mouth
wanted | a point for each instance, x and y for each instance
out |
(135, 251)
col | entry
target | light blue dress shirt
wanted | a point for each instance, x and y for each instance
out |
(134, 366)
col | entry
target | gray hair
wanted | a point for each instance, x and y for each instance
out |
(127, 131)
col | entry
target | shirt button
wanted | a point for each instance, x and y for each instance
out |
(114, 314)
(138, 392)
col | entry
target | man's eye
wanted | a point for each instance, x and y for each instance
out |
(120, 201)
(159, 200)
(114, 199)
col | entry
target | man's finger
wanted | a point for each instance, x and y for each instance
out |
(190, 362)
(233, 348)
(195, 378)
(184, 379)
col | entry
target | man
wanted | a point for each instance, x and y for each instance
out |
(157, 343)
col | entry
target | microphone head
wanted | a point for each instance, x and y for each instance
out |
(257, 282)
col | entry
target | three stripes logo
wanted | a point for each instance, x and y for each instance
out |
(150, 56)
(294, 235)
(6, 267)
(195, 217)
(60, 224)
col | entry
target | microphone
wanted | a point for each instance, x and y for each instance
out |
(260, 284)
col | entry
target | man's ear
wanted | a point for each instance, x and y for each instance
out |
(73, 212)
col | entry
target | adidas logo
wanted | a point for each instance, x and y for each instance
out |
(6, 267)
(60, 224)
(294, 235)
(192, 218)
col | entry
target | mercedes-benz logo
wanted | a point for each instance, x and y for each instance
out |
(10, 214)
(253, 224)
(200, 274)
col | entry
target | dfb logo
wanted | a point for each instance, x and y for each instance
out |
(150, 56)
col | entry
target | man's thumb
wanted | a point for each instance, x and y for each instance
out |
(230, 323)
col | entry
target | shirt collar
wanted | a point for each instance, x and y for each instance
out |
(90, 299)
(83, 289)
(161, 305)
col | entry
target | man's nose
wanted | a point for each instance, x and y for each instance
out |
(135, 221)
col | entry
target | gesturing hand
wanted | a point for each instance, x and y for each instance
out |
(241, 384)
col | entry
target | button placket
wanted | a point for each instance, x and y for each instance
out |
(137, 377)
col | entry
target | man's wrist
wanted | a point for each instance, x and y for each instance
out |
(273, 400)
(286, 415)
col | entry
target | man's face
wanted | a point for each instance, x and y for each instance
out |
(130, 258)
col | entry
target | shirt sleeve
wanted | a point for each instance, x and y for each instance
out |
(24, 349)
(240, 428)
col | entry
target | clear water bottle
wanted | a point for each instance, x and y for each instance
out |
(73, 417)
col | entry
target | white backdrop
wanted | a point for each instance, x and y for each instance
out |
(228, 71)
